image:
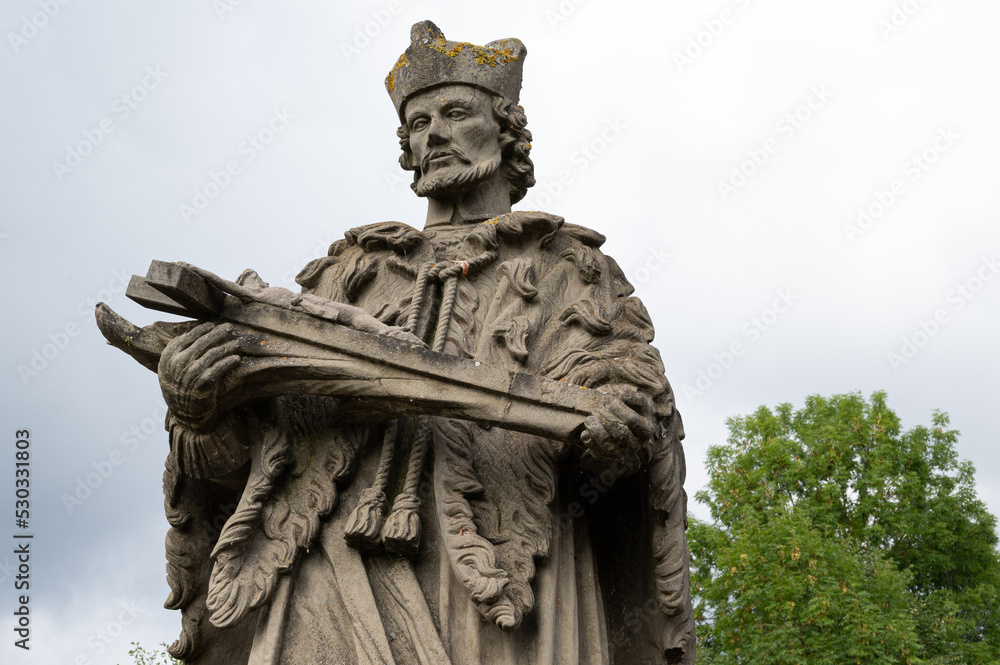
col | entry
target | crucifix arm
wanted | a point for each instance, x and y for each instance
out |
(288, 345)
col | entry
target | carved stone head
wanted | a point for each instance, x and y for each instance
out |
(457, 103)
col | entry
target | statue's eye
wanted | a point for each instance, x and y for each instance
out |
(418, 125)
(457, 114)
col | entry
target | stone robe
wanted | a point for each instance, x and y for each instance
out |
(531, 553)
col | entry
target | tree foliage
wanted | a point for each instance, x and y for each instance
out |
(836, 537)
(154, 657)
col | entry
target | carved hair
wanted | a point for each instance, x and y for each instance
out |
(515, 144)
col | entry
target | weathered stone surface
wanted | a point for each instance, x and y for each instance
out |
(295, 345)
(456, 445)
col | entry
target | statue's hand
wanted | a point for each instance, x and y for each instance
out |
(192, 369)
(621, 426)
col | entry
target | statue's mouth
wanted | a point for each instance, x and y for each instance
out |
(443, 155)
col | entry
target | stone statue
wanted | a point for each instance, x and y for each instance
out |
(456, 445)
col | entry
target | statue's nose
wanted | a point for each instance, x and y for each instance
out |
(439, 132)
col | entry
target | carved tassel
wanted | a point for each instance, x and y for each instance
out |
(364, 525)
(401, 533)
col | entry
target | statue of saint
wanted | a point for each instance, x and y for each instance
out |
(307, 527)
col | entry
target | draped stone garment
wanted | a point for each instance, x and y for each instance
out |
(531, 552)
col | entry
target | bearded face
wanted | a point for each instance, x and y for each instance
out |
(454, 139)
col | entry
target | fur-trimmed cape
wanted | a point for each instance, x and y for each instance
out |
(533, 295)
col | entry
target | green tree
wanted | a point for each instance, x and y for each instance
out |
(838, 538)
(155, 657)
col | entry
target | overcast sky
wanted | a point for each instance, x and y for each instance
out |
(814, 183)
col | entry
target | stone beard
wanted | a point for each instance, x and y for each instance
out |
(453, 180)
